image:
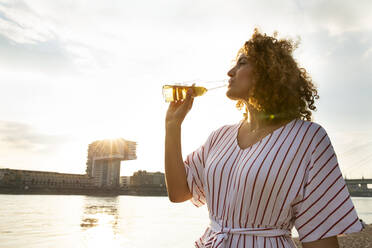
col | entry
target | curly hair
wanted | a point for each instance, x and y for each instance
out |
(283, 90)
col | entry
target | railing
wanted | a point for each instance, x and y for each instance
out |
(359, 187)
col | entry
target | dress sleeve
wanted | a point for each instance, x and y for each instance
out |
(194, 166)
(325, 208)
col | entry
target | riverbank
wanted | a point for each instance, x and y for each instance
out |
(361, 239)
(137, 191)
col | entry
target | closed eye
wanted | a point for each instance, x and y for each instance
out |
(242, 62)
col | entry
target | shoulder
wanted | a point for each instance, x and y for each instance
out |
(309, 128)
(313, 134)
(226, 127)
(223, 131)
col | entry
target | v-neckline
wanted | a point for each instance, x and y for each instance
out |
(269, 134)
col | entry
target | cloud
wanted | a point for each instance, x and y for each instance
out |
(28, 43)
(49, 57)
(31, 40)
(342, 72)
(338, 16)
(21, 25)
(15, 135)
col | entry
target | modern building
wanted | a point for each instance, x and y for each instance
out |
(104, 159)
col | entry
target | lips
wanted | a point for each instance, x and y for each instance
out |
(230, 82)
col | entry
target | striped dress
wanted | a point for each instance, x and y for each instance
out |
(255, 196)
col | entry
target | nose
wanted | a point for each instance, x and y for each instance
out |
(231, 72)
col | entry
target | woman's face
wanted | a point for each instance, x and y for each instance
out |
(242, 80)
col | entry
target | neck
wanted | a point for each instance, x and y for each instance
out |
(256, 123)
(259, 120)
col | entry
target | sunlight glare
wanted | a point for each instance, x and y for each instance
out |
(101, 233)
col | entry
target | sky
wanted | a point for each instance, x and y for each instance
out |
(72, 72)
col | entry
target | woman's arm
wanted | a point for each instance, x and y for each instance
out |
(330, 242)
(175, 174)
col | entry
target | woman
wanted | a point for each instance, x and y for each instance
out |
(273, 170)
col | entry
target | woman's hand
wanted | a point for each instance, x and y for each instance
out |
(178, 110)
(175, 174)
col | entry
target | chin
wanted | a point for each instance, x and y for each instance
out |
(230, 94)
(230, 97)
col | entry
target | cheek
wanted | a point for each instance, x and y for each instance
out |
(248, 81)
(245, 86)
(245, 75)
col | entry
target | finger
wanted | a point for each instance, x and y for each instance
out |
(189, 98)
(190, 92)
(192, 89)
(180, 102)
(173, 105)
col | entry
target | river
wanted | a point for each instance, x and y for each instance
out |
(59, 221)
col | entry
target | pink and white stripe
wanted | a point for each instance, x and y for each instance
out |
(290, 178)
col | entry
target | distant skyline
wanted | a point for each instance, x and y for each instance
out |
(72, 72)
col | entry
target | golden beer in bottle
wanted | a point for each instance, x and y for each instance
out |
(178, 92)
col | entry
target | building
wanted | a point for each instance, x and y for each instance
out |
(144, 178)
(26, 179)
(103, 170)
(104, 159)
(124, 181)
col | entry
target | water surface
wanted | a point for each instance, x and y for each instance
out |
(60, 221)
